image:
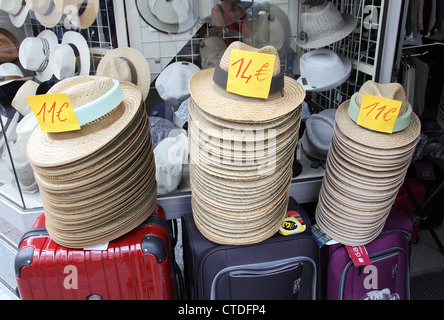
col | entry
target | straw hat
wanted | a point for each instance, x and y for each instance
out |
(45, 11)
(17, 10)
(29, 88)
(322, 70)
(126, 64)
(240, 170)
(364, 170)
(8, 46)
(212, 49)
(81, 14)
(168, 16)
(71, 57)
(323, 25)
(99, 182)
(34, 54)
(216, 101)
(10, 72)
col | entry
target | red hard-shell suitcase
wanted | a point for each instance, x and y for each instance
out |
(136, 266)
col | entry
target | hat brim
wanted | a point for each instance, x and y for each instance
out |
(49, 20)
(327, 39)
(153, 21)
(336, 82)
(82, 46)
(139, 61)
(19, 19)
(208, 96)
(374, 139)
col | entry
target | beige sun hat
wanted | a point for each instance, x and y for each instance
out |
(323, 25)
(45, 11)
(81, 14)
(216, 101)
(126, 64)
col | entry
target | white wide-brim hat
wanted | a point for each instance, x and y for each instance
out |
(172, 83)
(35, 52)
(45, 11)
(17, 10)
(168, 16)
(10, 72)
(71, 57)
(322, 70)
(29, 88)
(323, 25)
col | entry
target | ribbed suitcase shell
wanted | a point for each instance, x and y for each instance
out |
(136, 266)
(279, 268)
(390, 257)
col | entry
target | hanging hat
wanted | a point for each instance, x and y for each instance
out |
(318, 134)
(45, 11)
(9, 46)
(323, 25)
(126, 64)
(96, 183)
(365, 169)
(35, 52)
(81, 14)
(29, 88)
(322, 70)
(17, 10)
(172, 83)
(10, 72)
(212, 49)
(209, 92)
(168, 16)
(271, 27)
(71, 57)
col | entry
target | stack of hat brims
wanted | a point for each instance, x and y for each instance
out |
(364, 172)
(96, 183)
(241, 157)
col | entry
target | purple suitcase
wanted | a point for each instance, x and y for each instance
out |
(388, 278)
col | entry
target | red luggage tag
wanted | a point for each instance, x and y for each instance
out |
(292, 224)
(359, 255)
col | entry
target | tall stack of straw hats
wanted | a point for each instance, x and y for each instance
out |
(96, 183)
(365, 169)
(241, 154)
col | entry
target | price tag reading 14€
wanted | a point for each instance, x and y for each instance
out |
(54, 112)
(378, 113)
(250, 73)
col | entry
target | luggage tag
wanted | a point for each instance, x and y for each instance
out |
(321, 237)
(359, 255)
(292, 224)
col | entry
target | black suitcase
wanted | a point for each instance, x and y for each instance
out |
(279, 268)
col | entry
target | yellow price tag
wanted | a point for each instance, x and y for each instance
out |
(54, 112)
(378, 113)
(250, 73)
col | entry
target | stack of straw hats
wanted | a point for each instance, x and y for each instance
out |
(96, 183)
(241, 154)
(365, 169)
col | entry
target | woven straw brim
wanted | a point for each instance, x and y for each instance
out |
(58, 149)
(374, 139)
(239, 109)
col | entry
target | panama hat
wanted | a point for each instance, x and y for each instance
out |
(71, 57)
(29, 88)
(168, 16)
(126, 64)
(81, 14)
(10, 72)
(213, 98)
(17, 10)
(323, 25)
(45, 11)
(322, 70)
(106, 186)
(35, 52)
(9, 46)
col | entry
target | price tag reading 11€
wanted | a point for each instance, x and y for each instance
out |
(54, 112)
(250, 73)
(378, 113)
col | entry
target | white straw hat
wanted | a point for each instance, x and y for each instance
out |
(323, 25)
(17, 10)
(45, 11)
(35, 52)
